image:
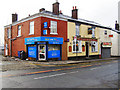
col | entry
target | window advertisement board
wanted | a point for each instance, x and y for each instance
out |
(32, 52)
(54, 54)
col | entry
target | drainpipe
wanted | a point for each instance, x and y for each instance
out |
(11, 40)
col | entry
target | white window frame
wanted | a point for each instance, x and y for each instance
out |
(31, 28)
(19, 30)
(53, 28)
(93, 32)
(79, 46)
(96, 46)
(77, 30)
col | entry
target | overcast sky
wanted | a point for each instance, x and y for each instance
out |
(104, 12)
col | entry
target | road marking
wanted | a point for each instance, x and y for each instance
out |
(55, 75)
(95, 68)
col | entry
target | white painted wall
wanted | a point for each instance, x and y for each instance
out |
(119, 44)
(103, 37)
(114, 49)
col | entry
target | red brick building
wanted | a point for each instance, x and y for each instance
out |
(39, 35)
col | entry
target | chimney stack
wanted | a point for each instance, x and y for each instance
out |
(75, 12)
(56, 8)
(42, 9)
(117, 26)
(14, 17)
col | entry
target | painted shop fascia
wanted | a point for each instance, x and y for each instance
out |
(40, 47)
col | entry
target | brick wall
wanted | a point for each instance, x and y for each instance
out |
(18, 42)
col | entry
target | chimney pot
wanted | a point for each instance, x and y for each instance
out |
(73, 7)
(60, 11)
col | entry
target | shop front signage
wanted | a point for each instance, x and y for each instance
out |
(32, 52)
(41, 42)
(86, 39)
(55, 42)
(44, 39)
(45, 25)
(106, 44)
(110, 35)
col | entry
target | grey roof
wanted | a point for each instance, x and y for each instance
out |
(61, 16)
(79, 19)
(115, 30)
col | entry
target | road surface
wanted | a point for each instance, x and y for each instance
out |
(101, 75)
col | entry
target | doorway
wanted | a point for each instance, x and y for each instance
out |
(87, 49)
(41, 52)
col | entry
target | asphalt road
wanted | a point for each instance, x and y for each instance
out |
(103, 75)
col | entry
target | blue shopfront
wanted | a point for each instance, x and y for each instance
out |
(44, 48)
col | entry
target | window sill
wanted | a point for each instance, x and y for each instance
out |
(31, 34)
(76, 52)
(54, 33)
(95, 52)
(18, 36)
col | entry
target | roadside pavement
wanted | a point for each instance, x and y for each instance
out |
(11, 63)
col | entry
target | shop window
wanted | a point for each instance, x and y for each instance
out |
(31, 27)
(19, 30)
(53, 47)
(94, 46)
(77, 47)
(53, 27)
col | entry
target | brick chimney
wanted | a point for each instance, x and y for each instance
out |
(56, 8)
(75, 12)
(116, 26)
(42, 9)
(14, 17)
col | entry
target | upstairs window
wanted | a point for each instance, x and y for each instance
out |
(31, 27)
(77, 30)
(93, 32)
(8, 33)
(19, 30)
(53, 27)
(105, 32)
(89, 30)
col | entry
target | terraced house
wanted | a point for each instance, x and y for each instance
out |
(54, 36)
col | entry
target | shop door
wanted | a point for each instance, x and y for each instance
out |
(42, 52)
(106, 52)
(87, 49)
